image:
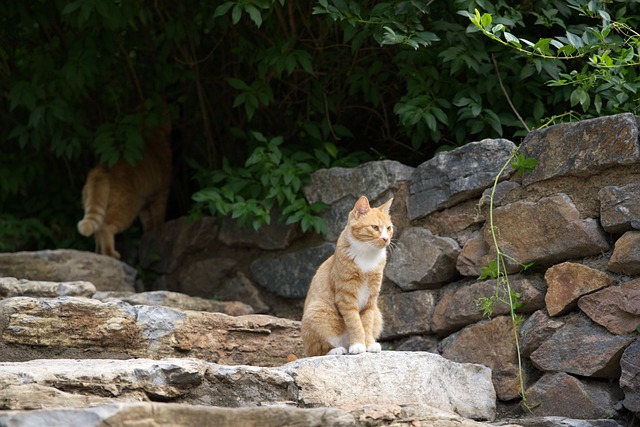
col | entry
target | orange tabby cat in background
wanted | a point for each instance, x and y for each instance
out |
(114, 196)
(341, 311)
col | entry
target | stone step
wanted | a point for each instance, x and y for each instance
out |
(75, 327)
(423, 384)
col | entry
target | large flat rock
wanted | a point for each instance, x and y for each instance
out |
(74, 327)
(425, 384)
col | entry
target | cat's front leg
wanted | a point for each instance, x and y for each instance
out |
(372, 325)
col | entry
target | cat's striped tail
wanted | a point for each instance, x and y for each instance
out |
(95, 196)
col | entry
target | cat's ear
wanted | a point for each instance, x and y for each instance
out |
(386, 206)
(361, 207)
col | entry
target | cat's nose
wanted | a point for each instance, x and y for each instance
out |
(385, 239)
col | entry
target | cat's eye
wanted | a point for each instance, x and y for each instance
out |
(375, 227)
(389, 229)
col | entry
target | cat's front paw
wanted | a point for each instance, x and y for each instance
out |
(374, 348)
(357, 348)
(338, 351)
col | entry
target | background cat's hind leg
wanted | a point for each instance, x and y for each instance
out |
(105, 242)
(152, 215)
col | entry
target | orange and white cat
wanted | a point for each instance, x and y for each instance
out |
(341, 311)
(114, 196)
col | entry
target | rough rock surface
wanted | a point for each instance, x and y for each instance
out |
(594, 351)
(407, 313)
(177, 300)
(289, 275)
(554, 231)
(568, 282)
(67, 265)
(457, 175)
(577, 398)
(630, 377)
(626, 254)
(489, 343)
(11, 287)
(616, 308)
(426, 385)
(421, 260)
(620, 208)
(30, 326)
(583, 148)
(458, 303)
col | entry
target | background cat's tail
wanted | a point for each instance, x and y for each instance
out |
(95, 196)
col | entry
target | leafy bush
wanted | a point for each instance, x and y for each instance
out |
(397, 80)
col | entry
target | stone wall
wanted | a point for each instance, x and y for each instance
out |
(575, 215)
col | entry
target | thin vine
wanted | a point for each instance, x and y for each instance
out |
(497, 269)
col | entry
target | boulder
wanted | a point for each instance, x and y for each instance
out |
(83, 328)
(457, 175)
(420, 379)
(179, 301)
(620, 207)
(616, 308)
(205, 277)
(178, 415)
(489, 343)
(581, 347)
(421, 260)
(162, 250)
(569, 281)
(458, 305)
(548, 231)
(626, 254)
(68, 265)
(535, 330)
(289, 275)
(630, 377)
(583, 148)
(407, 313)
(417, 386)
(472, 256)
(272, 236)
(564, 395)
(12, 287)
(340, 188)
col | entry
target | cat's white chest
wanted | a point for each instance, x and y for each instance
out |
(366, 257)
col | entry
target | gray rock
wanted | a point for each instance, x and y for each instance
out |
(625, 258)
(238, 287)
(12, 287)
(74, 327)
(583, 348)
(630, 378)
(67, 265)
(489, 343)
(619, 207)
(548, 231)
(454, 176)
(567, 396)
(535, 330)
(458, 303)
(290, 274)
(583, 148)
(407, 313)
(569, 281)
(340, 188)
(272, 236)
(178, 415)
(616, 308)
(404, 378)
(163, 249)
(473, 255)
(179, 301)
(421, 260)
(204, 278)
